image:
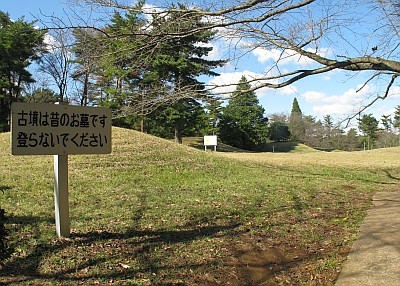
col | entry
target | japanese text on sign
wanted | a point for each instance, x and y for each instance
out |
(39, 129)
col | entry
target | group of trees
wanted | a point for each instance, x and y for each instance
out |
(147, 77)
(144, 63)
(326, 134)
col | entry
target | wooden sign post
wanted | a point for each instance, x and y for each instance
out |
(59, 130)
(61, 200)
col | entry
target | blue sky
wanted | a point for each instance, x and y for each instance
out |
(333, 93)
(19, 8)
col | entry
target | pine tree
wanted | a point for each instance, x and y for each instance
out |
(368, 124)
(20, 44)
(396, 121)
(163, 74)
(180, 61)
(243, 124)
(185, 117)
(296, 107)
(296, 123)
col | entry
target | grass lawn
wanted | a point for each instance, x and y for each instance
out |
(157, 213)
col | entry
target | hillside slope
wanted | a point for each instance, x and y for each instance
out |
(157, 213)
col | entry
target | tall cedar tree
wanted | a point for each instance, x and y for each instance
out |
(20, 44)
(243, 124)
(119, 65)
(181, 60)
(186, 116)
(368, 125)
(296, 123)
(154, 77)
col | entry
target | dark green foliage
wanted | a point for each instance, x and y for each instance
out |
(243, 124)
(20, 43)
(396, 121)
(368, 125)
(297, 124)
(214, 111)
(180, 60)
(184, 118)
(295, 107)
(41, 95)
(386, 122)
(279, 131)
(144, 75)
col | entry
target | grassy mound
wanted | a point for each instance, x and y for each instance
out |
(157, 213)
(279, 147)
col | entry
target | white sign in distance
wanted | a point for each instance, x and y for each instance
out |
(51, 129)
(210, 140)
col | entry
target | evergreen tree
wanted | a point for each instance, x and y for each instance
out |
(396, 120)
(386, 132)
(296, 123)
(213, 115)
(386, 122)
(140, 81)
(296, 107)
(368, 124)
(41, 95)
(279, 127)
(328, 125)
(279, 131)
(187, 117)
(180, 61)
(20, 44)
(243, 124)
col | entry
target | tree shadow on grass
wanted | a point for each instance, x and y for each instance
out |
(390, 175)
(107, 256)
(4, 188)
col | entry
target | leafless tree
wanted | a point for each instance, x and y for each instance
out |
(307, 28)
(56, 62)
(349, 35)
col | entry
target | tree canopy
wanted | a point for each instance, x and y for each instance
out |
(243, 123)
(323, 33)
(144, 58)
(20, 44)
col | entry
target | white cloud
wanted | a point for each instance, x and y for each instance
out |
(149, 9)
(394, 92)
(334, 109)
(288, 90)
(226, 82)
(286, 56)
(346, 103)
(51, 43)
(313, 96)
(215, 53)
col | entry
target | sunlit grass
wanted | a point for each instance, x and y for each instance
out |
(156, 213)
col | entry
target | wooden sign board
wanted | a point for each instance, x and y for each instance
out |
(51, 129)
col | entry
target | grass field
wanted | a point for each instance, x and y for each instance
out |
(157, 213)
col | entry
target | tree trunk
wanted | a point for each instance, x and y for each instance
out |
(142, 125)
(178, 134)
(84, 100)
